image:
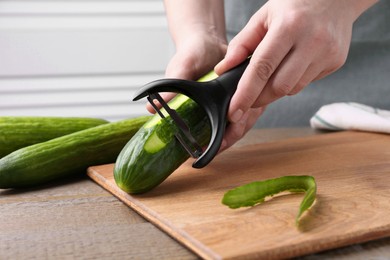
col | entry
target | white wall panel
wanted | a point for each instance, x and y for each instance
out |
(53, 7)
(80, 58)
(35, 53)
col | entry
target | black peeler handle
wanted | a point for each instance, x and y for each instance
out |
(215, 100)
(229, 80)
(213, 96)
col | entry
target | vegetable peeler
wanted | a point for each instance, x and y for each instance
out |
(213, 96)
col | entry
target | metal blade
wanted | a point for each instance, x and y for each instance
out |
(194, 149)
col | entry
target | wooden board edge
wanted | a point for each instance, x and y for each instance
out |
(163, 224)
(323, 245)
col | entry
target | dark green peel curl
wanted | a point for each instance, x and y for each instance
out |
(255, 192)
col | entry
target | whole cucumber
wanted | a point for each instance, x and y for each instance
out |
(17, 132)
(67, 155)
(154, 153)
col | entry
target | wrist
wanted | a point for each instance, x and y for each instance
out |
(204, 18)
(199, 32)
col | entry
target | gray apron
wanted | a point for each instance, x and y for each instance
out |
(365, 77)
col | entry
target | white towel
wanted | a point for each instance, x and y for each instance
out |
(351, 116)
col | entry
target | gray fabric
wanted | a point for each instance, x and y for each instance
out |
(238, 13)
(365, 78)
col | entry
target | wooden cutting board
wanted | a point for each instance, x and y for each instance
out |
(352, 171)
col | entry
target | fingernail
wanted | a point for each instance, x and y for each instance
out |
(217, 68)
(237, 116)
(243, 120)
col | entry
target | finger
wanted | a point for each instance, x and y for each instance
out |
(310, 75)
(268, 55)
(325, 73)
(256, 113)
(315, 71)
(166, 96)
(285, 79)
(244, 43)
(236, 131)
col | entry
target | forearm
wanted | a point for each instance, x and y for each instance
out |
(195, 16)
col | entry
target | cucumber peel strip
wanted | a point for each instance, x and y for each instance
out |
(254, 193)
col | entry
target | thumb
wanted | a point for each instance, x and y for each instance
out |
(234, 56)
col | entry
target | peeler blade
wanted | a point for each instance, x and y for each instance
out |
(184, 135)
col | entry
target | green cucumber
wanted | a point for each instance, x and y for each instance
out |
(67, 155)
(154, 153)
(18, 132)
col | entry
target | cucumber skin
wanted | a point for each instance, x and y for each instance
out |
(67, 155)
(138, 171)
(19, 132)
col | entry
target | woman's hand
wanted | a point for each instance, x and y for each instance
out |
(198, 31)
(292, 43)
(197, 28)
(194, 58)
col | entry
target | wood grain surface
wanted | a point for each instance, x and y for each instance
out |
(352, 171)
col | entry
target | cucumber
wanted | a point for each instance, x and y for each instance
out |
(154, 153)
(67, 155)
(19, 132)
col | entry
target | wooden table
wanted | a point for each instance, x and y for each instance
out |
(77, 219)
